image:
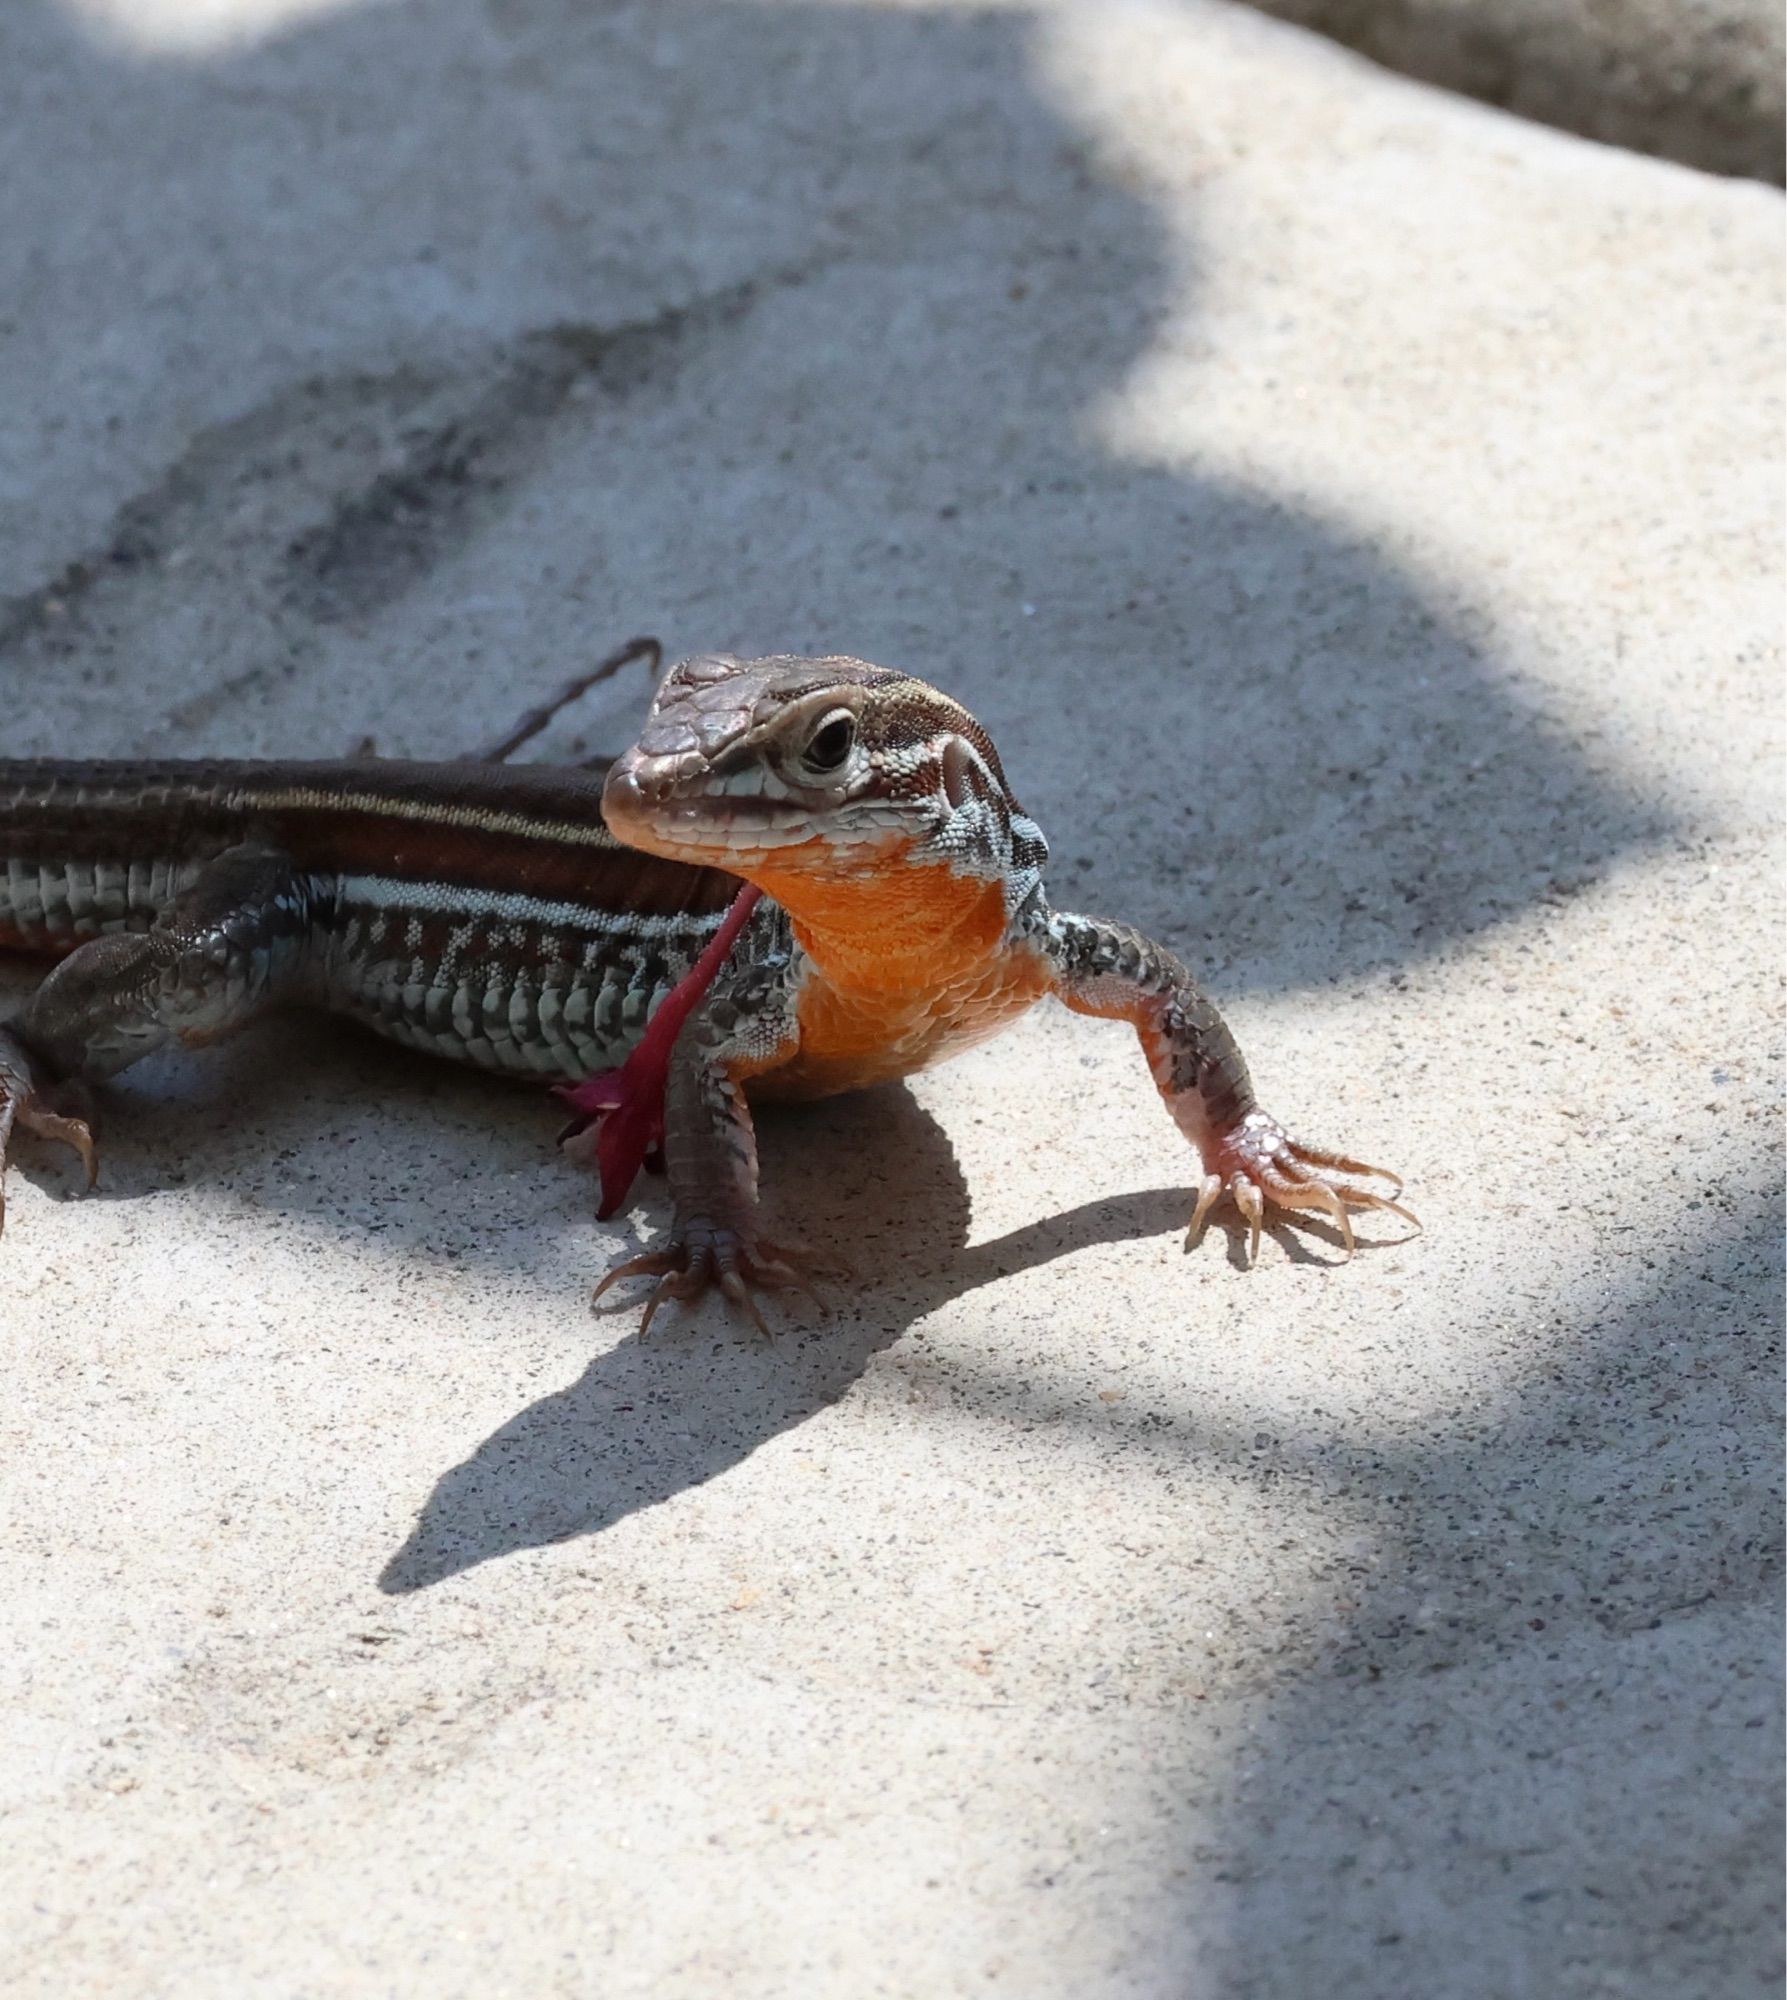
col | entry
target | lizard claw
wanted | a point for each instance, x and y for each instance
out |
(1260, 1166)
(27, 1102)
(1252, 1205)
(702, 1254)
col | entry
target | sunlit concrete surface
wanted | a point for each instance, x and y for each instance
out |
(1356, 515)
(196, 27)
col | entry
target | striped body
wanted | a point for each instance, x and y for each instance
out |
(483, 914)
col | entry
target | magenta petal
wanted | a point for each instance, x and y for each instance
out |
(627, 1135)
(605, 1091)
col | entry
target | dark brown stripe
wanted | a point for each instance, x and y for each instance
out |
(530, 829)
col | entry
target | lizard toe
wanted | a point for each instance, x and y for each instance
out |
(703, 1256)
(1262, 1168)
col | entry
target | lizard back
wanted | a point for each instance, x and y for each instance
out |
(477, 911)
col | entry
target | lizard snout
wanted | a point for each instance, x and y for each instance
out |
(648, 799)
(631, 790)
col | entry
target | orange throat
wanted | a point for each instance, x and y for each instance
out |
(908, 964)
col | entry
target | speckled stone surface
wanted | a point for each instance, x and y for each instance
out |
(1356, 515)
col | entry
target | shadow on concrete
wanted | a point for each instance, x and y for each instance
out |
(1602, 1561)
(1314, 774)
(1426, 1810)
(651, 1418)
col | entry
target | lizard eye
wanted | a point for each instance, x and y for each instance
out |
(830, 744)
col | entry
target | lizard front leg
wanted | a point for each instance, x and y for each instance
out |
(1116, 972)
(212, 959)
(710, 1159)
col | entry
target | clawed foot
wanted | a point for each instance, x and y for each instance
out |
(1261, 1166)
(24, 1101)
(701, 1255)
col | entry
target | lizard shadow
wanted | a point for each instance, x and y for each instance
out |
(654, 1416)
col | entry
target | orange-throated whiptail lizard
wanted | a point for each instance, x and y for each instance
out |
(591, 930)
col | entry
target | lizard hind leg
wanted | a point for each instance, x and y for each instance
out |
(227, 945)
(27, 1101)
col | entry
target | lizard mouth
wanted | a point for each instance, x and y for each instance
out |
(648, 802)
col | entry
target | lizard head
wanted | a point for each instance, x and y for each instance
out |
(810, 776)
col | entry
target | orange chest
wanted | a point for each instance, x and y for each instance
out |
(922, 975)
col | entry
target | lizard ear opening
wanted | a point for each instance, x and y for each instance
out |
(962, 779)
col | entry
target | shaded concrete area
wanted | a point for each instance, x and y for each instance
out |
(1356, 516)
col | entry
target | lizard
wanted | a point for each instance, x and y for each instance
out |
(807, 875)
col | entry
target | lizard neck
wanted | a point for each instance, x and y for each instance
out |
(904, 966)
(899, 927)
